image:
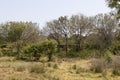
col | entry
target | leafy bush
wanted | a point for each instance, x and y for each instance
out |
(32, 52)
(115, 48)
(73, 54)
(116, 72)
(55, 66)
(35, 51)
(50, 46)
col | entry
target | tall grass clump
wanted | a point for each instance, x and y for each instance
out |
(97, 66)
(38, 69)
(116, 66)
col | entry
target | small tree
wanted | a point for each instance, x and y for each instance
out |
(49, 48)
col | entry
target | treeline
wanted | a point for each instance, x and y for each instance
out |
(75, 36)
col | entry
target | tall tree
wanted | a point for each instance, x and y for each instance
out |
(53, 31)
(115, 4)
(58, 29)
(81, 27)
(106, 26)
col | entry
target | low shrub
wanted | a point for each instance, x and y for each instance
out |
(49, 64)
(55, 66)
(71, 54)
(74, 67)
(20, 68)
(97, 66)
(116, 72)
(80, 70)
(116, 66)
(37, 69)
(1, 54)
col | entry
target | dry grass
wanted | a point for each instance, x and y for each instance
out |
(20, 70)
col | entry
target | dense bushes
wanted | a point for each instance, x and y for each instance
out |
(35, 51)
(115, 48)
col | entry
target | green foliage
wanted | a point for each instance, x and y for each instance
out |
(108, 57)
(55, 66)
(6, 50)
(72, 54)
(15, 30)
(74, 67)
(49, 47)
(49, 64)
(115, 48)
(1, 54)
(33, 52)
(116, 72)
(61, 54)
(115, 4)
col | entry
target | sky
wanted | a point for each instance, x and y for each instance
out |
(41, 11)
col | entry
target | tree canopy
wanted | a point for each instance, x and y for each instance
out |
(116, 5)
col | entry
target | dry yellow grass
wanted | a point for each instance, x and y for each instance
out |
(11, 69)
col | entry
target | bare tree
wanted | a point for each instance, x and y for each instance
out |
(81, 27)
(106, 26)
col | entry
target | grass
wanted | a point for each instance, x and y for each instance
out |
(11, 69)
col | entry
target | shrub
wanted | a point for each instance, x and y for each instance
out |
(61, 54)
(1, 54)
(97, 66)
(116, 72)
(33, 52)
(49, 64)
(20, 68)
(74, 67)
(116, 66)
(55, 66)
(50, 46)
(115, 48)
(73, 54)
(7, 52)
(79, 70)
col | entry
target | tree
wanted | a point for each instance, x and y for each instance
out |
(115, 4)
(57, 29)
(81, 27)
(20, 33)
(106, 26)
(31, 33)
(65, 29)
(53, 31)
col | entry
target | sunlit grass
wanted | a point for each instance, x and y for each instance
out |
(67, 69)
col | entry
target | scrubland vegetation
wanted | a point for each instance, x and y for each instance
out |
(78, 47)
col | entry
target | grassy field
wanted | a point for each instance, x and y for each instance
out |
(59, 69)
